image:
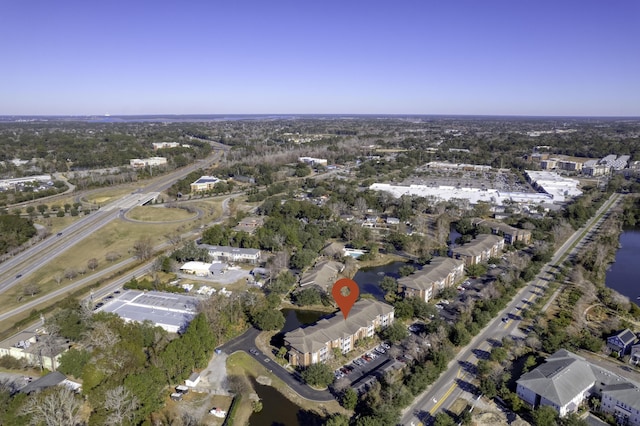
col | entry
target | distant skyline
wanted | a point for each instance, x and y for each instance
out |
(531, 58)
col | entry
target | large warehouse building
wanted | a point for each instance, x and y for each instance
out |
(173, 312)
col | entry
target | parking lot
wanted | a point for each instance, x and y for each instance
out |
(362, 371)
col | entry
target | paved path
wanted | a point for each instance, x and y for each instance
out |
(247, 341)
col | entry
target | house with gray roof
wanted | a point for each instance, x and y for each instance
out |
(313, 344)
(621, 342)
(441, 272)
(564, 381)
(52, 379)
(622, 401)
(323, 274)
(479, 250)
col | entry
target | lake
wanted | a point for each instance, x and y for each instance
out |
(368, 279)
(278, 410)
(622, 275)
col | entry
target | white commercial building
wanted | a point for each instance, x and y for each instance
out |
(473, 195)
(560, 188)
(204, 183)
(12, 183)
(138, 163)
(232, 254)
(171, 311)
(313, 161)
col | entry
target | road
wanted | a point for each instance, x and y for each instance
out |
(19, 267)
(114, 284)
(246, 343)
(459, 376)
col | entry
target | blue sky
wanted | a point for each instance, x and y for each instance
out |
(513, 57)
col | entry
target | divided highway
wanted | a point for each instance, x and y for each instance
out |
(16, 269)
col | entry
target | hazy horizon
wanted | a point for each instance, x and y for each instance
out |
(468, 58)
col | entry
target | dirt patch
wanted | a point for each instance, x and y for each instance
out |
(195, 406)
(263, 380)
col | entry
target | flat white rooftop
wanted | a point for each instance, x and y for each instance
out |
(172, 312)
(474, 195)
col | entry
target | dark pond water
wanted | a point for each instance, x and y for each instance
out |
(278, 410)
(368, 279)
(294, 318)
(624, 275)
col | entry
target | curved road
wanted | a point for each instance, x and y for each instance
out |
(246, 342)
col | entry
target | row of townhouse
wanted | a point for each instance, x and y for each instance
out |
(509, 233)
(232, 254)
(441, 272)
(315, 343)
(481, 249)
(565, 380)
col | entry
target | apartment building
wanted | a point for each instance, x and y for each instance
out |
(314, 343)
(441, 272)
(509, 233)
(484, 247)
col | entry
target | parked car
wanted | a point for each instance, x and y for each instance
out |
(386, 345)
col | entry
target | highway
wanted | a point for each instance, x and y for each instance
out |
(16, 269)
(460, 375)
(114, 284)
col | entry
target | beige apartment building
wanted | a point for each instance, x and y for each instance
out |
(441, 272)
(314, 343)
(484, 247)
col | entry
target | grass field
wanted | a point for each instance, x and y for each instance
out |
(118, 237)
(159, 214)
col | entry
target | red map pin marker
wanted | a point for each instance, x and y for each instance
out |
(345, 302)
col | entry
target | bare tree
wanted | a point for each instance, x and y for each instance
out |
(56, 407)
(360, 205)
(121, 405)
(101, 336)
(92, 263)
(31, 289)
(57, 277)
(174, 238)
(143, 248)
(70, 274)
(112, 256)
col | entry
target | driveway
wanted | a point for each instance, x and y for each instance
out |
(247, 341)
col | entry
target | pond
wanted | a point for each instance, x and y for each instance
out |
(368, 279)
(278, 410)
(294, 318)
(622, 276)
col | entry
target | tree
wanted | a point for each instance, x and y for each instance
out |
(268, 319)
(318, 375)
(112, 256)
(395, 332)
(389, 284)
(73, 361)
(337, 420)
(56, 406)
(70, 274)
(121, 405)
(143, 248)
(31, 289)
(92, 263)
(545, 416)
(57, 277)
(443, 419)
(308, 296)
(302, 258)
(349, 399)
